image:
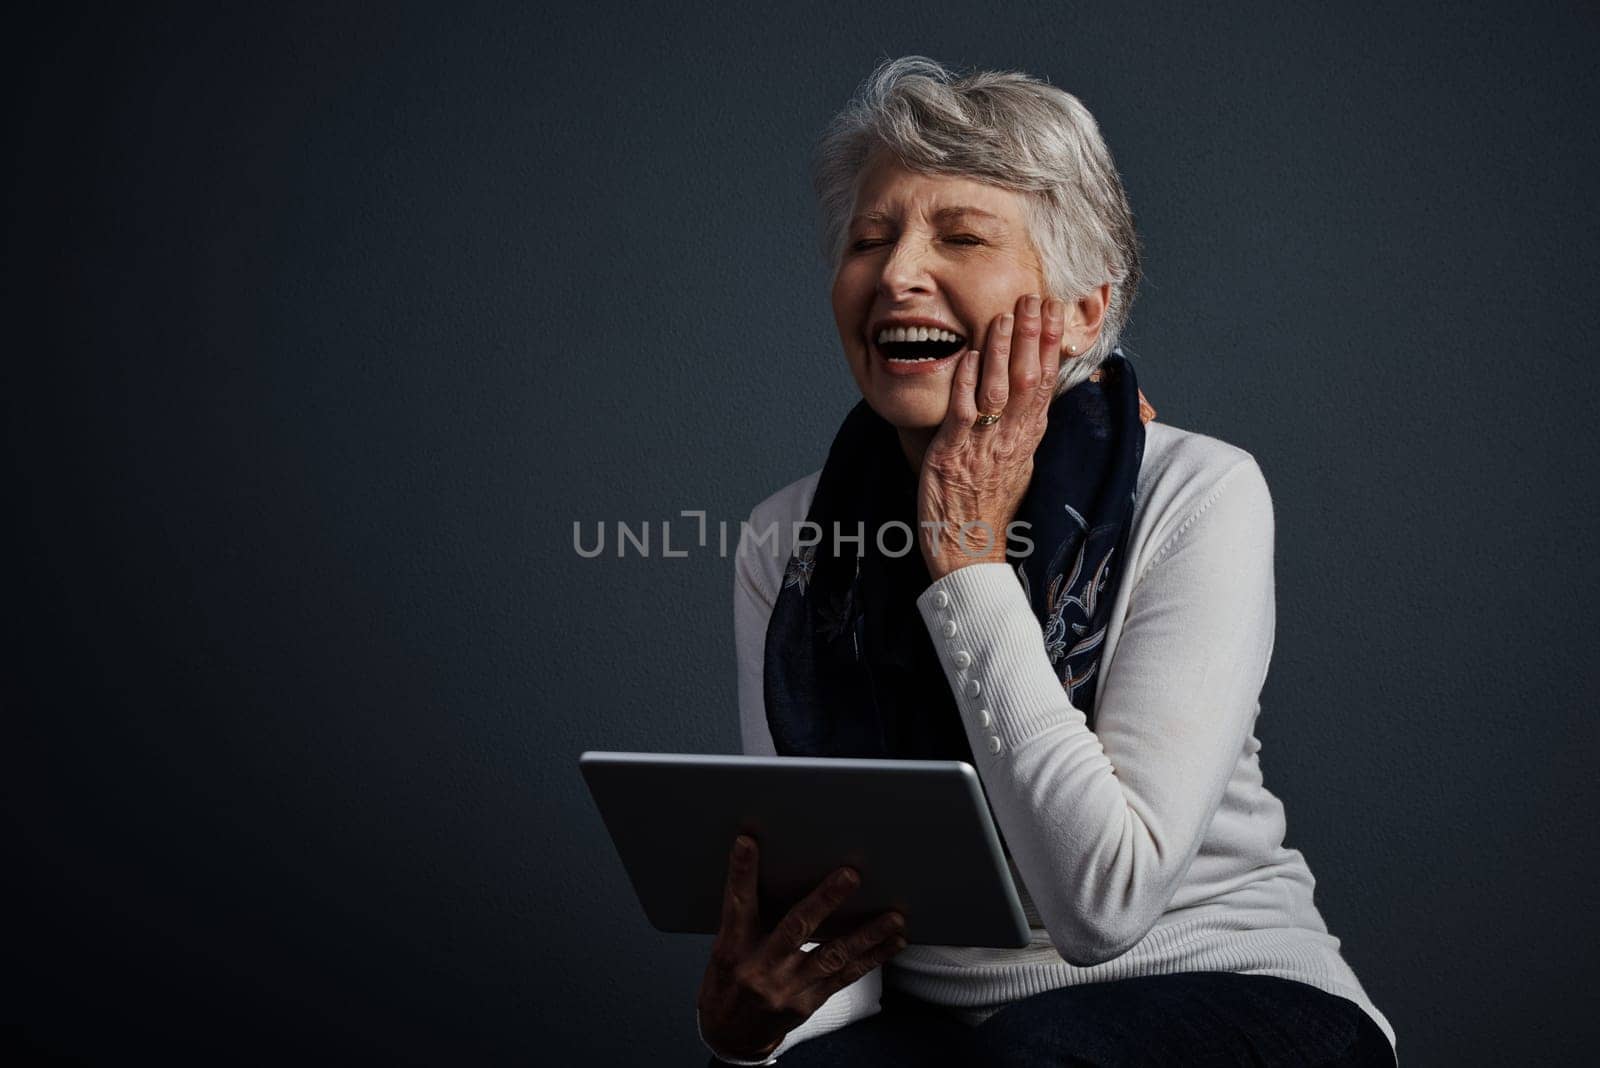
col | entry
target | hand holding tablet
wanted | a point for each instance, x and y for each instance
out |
(862, 856)
(760, 985)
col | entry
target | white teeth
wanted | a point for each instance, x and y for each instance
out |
(915, 333)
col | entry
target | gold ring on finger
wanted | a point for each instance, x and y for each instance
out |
(987, 420)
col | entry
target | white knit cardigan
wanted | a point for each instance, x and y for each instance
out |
(1146, 846)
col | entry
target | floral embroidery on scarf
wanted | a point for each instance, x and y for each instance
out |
(1063, 594)
(801, 567)
(833, 616)
(1061, 598)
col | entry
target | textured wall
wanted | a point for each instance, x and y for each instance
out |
(325, 327)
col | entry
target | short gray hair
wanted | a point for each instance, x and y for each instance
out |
(1008, 129)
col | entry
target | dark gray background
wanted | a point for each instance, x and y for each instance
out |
(325, 327)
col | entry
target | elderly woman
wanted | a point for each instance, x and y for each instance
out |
(1076, 599)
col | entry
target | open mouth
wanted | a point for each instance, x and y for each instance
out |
(918, 345)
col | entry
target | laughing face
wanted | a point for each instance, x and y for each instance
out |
(929, 262)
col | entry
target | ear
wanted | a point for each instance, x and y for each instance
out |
(1085, 316)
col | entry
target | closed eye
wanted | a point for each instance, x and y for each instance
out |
(959, 239)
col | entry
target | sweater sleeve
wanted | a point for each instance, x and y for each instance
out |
(1104, 824)
(753, 596)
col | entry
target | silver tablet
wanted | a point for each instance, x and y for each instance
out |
(918, 831)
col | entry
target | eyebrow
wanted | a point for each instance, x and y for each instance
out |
(955, 211)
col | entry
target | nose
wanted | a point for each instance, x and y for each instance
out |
(905, 271)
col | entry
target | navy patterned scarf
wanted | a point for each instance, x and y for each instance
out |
(850, 670)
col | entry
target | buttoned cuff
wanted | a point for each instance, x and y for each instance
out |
(993, 654)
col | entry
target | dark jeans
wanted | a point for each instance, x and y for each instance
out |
(1191, 1018)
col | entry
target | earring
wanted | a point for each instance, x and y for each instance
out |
(1072, 350)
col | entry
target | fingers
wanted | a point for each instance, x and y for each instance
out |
(837, 955)
(797, 926)
(858, 967)
(740, 921)
(1025, 344)
(994, 387)
(962, 412)
(1055, 328)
